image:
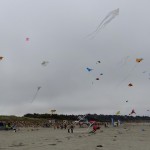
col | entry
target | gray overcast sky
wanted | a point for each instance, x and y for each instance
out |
(57, 31)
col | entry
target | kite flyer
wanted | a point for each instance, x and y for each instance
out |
(70, 128)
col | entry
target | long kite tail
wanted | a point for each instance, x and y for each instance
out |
(111, 15)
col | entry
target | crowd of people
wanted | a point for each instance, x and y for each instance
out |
(56, 124)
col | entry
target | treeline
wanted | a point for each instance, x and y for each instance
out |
(100, 118)
(52, 116)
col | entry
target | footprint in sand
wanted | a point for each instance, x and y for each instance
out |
(59, 141)
(69, 137)
(46, 139)
(52, 144)
(99, 146)
(17, 145)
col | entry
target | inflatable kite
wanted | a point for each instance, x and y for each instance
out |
(111, 15)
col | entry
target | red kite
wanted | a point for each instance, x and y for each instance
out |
(132, 112)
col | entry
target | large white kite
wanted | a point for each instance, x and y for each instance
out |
(111, 15)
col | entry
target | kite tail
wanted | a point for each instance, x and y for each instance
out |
(104, 22)
(94, 33)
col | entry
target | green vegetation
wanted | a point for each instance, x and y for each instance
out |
(45, 117)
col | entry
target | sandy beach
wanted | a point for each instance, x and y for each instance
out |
(124, 137)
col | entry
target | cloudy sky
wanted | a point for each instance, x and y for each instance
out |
(57, 32)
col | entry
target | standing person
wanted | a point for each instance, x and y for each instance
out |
(106, 125)
(68, 127)
(54, 125)
(65, 126)
(61, 126)
(71, 127)
(94, 128)
(118, 122)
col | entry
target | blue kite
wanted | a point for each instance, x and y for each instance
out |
(89, 69)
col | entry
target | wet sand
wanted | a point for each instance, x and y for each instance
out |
(124, 137)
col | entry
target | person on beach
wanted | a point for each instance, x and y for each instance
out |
(68, 127)
(106, 125)
(61, 126)
(65, 126)
(71, 128)
(14, 127)
(95, 128)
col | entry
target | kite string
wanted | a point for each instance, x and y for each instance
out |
(128, 75)
(35, 96)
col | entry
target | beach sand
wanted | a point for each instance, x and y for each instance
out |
(124, 137)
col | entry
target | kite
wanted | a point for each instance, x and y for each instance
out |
(111, 15)
(144, 71)
(97, 78)
(98, 62)
(130, 84)
(101, 74)
(118, 113)
(138, 60)
(52, 111)
(132, 112)
(89, 69)
(38, 88)
(44, 63)
(27, 39)
(1, 57)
